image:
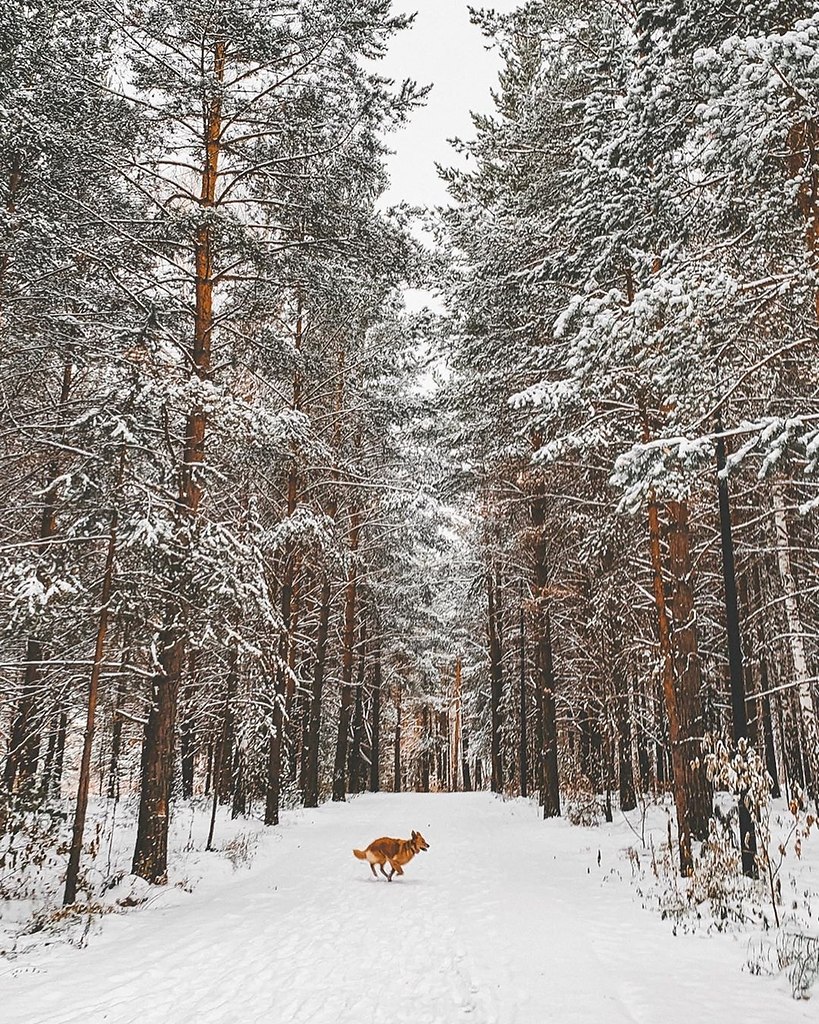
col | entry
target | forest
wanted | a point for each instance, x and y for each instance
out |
(271, 538)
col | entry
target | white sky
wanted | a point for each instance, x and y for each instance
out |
(444, 48)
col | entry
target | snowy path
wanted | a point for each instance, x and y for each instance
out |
(507, 919)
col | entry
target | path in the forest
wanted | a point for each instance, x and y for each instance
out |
(506, 919)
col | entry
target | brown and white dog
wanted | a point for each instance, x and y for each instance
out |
(397, 851)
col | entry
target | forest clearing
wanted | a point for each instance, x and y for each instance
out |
(359, 480)
(507, 920)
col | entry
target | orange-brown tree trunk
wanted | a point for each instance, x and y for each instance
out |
(81, 808)
(150, 854)
(679, 666)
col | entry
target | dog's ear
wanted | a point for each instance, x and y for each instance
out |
(414, 835)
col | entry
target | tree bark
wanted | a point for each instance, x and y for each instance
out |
(523, 742)
(804, 695)
(84, 781)
(151, 851)
(187, 736)
(739, 715)
(150, 854)
(396, 754)
(625, 773)
(347, 661)
(544, 660)
(680, 677)
(375, 720)
(456, 727)
(496, 680)
(354, 766)
(311, 789)
(466, 773)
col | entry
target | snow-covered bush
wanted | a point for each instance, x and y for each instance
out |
(241, 849)
(582, 805)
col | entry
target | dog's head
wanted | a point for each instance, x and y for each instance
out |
(419, 842)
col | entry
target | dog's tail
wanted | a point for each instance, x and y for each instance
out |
(360, 854)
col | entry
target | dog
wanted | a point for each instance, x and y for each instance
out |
(397, 851)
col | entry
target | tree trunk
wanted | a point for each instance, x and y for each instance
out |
(396, 754)
(187, 734)
(282, 688)
(523, 755)
(53, 769)
(496, 678)
(151, 852)
(223, 771)
(84, 781)
(739, 715)
(543, 660)
(311, 774)
(680, 677)
(551, 790)
(375, 720)
(456, 728)
(796, 640)
(355, 761)
(465, 761)
(224, 743)
(628, 795)
(347, 661)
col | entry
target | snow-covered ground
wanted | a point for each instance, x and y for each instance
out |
(506, 919)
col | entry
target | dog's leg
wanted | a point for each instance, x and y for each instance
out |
(372, 868)
(384, 873)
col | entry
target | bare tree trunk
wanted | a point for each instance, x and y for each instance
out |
(396, 758)
(354, 766)
(523, 741)
(680, 677)
(628, 796)
(83, 783)
(496, 677)
(544, 661)
(747, 832)
(796, 634)
(311, 789)
(187, 736)
(238, 807)
(551, 791)
(465, 761)
(151, 851)
(456, 727)
(347, 659)
(224, 744)
(282, 688)
(375, 720)
(150, 854)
